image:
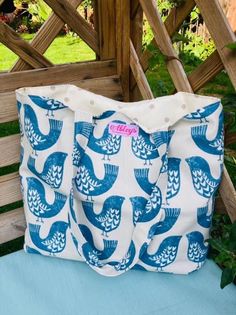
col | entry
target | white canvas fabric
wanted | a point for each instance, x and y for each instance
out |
(119, 185)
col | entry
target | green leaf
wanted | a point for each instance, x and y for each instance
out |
(231, 46)
(227, 277)
(232, 237)
(216, 244)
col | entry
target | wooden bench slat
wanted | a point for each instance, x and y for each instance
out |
(10, 150)
(12, 225)
(107, 86)
(61, 74)
(10, 189)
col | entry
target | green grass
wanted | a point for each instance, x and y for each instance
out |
(64, 49)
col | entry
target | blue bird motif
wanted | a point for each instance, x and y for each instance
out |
(53, 169)
(173, 184)
(37, 140)
(141, 176)
(145, 210)
(92, 254)
(82, 128)
(88, 184)
(105, 115)
(47, 103)
(109, 217)
(19, 106)
(109, 144)
(214, 146)
(126, 262)
(37, 200)
(197, 250)
(203, 182)
(165, 254)
(203, 218)
(31, 250)
(55, 242)
(203, 113)
(163, 226)
(144, 148)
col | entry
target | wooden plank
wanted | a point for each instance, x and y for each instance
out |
(139, 75)
(109, 87)
(45, 36)
(22, 48)
(206, 71)
(164, 43)
(12, 225)
(221, 33)
(8, 109)
(57, 75)
(122, 44)
(67, 13)
(106, 86)
(9, 189)
(107, 31)
(172, 24)
(136, 34)
(10, 150)
(228, 194)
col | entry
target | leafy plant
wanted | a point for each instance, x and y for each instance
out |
(223, 243)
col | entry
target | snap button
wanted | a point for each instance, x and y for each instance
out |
(151, 106)
(66, 99)
(184, 106)
(91, 102)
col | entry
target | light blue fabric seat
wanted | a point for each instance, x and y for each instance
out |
(37, 285)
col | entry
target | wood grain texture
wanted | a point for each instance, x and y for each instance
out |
(206, 71)
(122, 44)
(106, 26)
(228, 194)
(139, 75)
(8, 109)
(9, 189)
(67, 13)
(106, 86)
(136, 35)
(22, 48)
(221, 33)
(10, 150)
(173, 22)
(12, 225)
(162, 38)
(45, 36)
(57, 75)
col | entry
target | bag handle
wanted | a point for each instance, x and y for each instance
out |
(140, 235)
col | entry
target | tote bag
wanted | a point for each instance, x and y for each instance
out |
(119, 185)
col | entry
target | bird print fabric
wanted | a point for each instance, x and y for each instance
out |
(138, 196)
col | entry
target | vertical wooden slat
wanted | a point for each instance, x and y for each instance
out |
(221, 33)
(106, 28)
(164, 43)
(122, 43)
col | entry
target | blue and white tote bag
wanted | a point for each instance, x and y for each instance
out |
(119, 185)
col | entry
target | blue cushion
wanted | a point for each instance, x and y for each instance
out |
(33, 284)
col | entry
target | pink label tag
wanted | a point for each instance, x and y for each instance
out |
(123, 129)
